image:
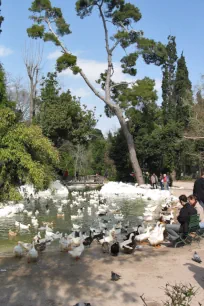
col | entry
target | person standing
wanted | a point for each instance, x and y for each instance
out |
(198, 189)
(200, 211)
(186, 211)
(161, 182)
(154, 181)
(77, 175)
(165, 182)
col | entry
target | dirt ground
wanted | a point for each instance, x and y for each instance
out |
(187, 188)
(58, 280)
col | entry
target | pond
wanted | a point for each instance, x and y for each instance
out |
(48, 212)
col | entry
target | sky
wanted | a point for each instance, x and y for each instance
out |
(181, 18)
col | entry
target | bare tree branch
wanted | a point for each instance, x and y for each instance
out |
(32, 56)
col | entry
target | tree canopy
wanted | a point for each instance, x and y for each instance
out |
(26, 155)
(61, 115)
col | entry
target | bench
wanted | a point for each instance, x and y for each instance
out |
(194, 228)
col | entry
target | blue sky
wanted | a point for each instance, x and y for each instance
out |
(182, 18)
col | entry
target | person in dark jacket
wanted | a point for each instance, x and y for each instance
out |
(186, 211)
(198, 189)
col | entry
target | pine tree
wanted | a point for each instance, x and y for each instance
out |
(183, 92)
(168, 103)
(3, 95)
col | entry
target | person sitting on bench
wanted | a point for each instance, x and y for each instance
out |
(200, 211)
(186, 211)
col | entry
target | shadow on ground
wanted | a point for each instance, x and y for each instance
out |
(58, 280)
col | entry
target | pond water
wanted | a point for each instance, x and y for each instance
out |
(130, 208)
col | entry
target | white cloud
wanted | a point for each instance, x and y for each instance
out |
(54, 55)
(93, 68)
(57, 53)
(5, 51)
(80, 92)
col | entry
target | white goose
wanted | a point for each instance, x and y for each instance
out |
(157, 237)
(108, 238)
(22, 226)
(32, 255)
(36, 213)
(76, 227)
(18, 250)
(145, 236)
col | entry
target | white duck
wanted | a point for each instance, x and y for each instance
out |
(22, 226)
(119, 217)
(18, 250)
(76, 252)
(108, 238)
(76, 227)
(65, 244)
(59, 210)
(29, 213)
(32, 255)
(157, 237)
(48, 229)
(37, 237)
(25, 246)
(143, 237)
(169, 217)
(36, 213)
(75, 217)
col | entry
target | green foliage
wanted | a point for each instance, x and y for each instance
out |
(62, 26)
(129, 62)
(27, 156)
(38, 6)
(168, 81)
(179, 294)
(36, 31)
(43, 12)
(4, 102)
(61, 115)
(66, 61)
(183, 93)
(125, 14)
(119, 154)
(51, 37)
(152, 52)
(141, 92)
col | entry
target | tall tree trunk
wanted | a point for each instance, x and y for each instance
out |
(131, 147)
(107, 99)
(31, 101)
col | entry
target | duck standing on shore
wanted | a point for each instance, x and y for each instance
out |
(115, 248)
(18, 250)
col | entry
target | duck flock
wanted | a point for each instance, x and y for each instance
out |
(110, 230)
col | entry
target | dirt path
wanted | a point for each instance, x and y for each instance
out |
(57, 280)
(187, 188)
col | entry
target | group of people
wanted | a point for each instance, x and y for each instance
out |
(164, 181)
(191, 205)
